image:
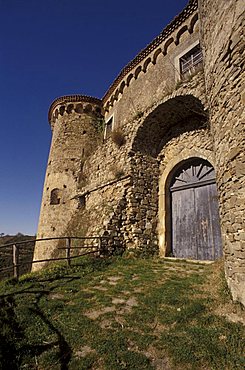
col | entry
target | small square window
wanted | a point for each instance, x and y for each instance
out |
(190, 60)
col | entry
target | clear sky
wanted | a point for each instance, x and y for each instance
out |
(50, 48)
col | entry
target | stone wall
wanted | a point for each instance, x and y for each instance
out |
(127, 206)
(189, 144)
(100, 187)
(103, 187)
(118, 193)
(118, 184)
(75, 137)
(222, 26)
(176, 128)
(158, 73)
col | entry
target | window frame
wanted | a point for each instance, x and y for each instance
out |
(109, 123)
(177, 60)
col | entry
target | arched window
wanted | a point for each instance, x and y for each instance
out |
(55, 196)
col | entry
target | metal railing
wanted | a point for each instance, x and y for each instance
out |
(192, 62)
(98, 245)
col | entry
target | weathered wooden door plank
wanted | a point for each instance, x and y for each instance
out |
(194, 212)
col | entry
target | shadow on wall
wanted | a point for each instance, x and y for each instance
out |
(170, 119)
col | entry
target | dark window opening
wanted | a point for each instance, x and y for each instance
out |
(108, 128)
(55, 197)
(190, 60)
(82, 202)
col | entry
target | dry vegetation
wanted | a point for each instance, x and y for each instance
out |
(118, 137)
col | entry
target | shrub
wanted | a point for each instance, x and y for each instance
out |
(139, 115)
(118, 137)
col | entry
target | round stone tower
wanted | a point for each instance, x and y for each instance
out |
(75, 122)
(222, 27)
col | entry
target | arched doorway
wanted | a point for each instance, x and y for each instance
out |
(195, 228)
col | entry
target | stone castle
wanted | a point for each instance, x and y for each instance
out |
(158, 163)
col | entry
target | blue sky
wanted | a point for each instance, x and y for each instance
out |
(51, 48)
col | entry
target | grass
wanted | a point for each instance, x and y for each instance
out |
(6, 253)
(120, 313)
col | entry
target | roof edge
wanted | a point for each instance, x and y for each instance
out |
(190, 8)
(70, 99)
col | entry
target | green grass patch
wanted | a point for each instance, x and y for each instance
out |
(119, 313)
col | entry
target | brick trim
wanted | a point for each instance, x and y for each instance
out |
(70, 99)
(168, 30)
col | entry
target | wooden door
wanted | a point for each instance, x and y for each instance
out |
(194, 212)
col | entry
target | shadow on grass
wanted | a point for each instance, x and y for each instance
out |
(21, 303)
(32, 289)
(14, 343)
(11, 334)
(65, 351)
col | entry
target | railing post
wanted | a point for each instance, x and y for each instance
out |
(113, 244)
(68, 251)
(16, 260)
(99, 245)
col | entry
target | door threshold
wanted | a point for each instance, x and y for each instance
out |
(201, 262)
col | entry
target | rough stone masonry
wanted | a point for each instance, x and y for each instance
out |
(174, 113)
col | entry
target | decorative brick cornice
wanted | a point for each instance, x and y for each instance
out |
(168, 30)
(71, 99)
